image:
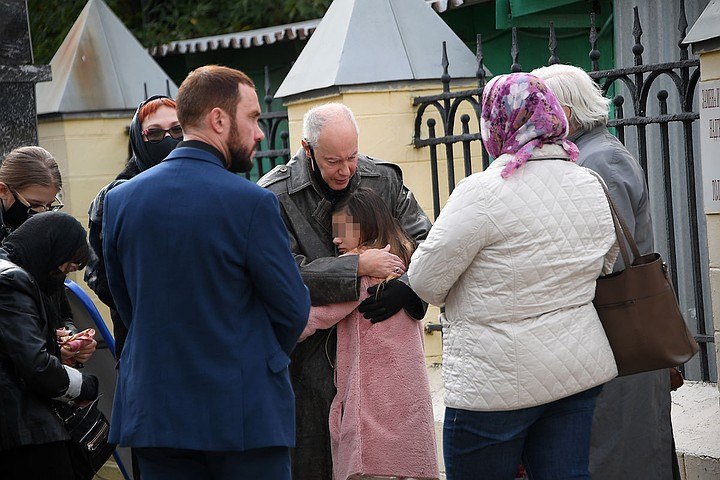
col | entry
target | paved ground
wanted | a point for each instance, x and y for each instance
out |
(695, 414)
(109, 472)
(696, 425)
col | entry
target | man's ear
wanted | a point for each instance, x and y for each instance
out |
(305, 146)
(217, 120)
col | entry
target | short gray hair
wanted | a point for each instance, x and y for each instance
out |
(316, 118)
(576, 90)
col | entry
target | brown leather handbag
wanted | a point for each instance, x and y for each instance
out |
(639, 311)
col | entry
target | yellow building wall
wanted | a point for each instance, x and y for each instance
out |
(386, 117)
(90, 153)
(710, 70)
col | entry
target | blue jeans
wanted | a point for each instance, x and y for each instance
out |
(551, 440)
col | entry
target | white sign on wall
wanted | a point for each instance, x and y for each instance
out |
(710, 144)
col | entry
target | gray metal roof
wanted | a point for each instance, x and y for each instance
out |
(706, 27)
(264, 36)
(100, 66)
(237, 40)
(373, 41)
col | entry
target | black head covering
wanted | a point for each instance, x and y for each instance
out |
(141, 156)
(43, 243)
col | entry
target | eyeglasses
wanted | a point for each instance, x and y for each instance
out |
(155, 135)
(33, 209)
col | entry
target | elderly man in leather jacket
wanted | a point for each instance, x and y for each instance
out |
(327, 167)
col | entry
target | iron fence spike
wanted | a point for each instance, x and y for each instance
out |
(594, 52)
(445, 78)
(637, 32)
(682, 28)
(552, 45)
(480, 73)
(268, 97)
(515, 52)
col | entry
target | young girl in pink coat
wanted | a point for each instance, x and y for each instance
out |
(381, 420)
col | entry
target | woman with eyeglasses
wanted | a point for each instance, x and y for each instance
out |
(154, 133)
(30, 183)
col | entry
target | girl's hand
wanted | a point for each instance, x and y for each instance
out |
(380, 263)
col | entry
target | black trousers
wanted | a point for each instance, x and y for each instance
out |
(37, 462)
(272, 463)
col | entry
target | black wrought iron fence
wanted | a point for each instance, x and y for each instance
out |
(274, 149)
(638, 81)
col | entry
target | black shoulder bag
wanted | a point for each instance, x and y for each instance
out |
(88, 429)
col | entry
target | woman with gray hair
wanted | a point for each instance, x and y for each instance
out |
(632, 433)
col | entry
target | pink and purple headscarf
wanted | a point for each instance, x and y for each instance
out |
(520, 114)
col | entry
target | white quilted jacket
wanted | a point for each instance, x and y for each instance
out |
(515, 262)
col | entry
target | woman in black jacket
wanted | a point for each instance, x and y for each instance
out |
(34, 261)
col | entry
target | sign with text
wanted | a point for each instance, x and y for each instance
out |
(710, 144)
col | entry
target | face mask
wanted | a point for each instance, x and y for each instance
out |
(159, 150)
(16, 215)
(52, 283)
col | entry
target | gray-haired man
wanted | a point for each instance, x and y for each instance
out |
(326, 168)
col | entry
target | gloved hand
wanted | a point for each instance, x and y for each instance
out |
(393, 296)
(89, 389)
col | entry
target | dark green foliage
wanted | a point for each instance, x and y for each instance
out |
(155, 22)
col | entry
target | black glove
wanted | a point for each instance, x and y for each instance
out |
(393, 296)
(89, 388)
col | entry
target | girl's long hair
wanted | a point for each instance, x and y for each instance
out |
(378, 227)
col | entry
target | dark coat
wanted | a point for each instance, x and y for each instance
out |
(631, 432)
(31, 373)
(308, 218)
(200, 271)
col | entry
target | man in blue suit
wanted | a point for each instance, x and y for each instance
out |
(199, 264)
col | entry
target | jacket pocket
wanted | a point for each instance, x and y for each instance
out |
(278, 361)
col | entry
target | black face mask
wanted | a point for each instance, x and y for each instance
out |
(16, 215)
(159, 150)
(52, 283)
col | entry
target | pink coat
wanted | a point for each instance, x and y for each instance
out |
(381, 420)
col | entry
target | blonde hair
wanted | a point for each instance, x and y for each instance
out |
(28, 166)
(576, 90)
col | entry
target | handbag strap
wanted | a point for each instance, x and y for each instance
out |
(621, 228)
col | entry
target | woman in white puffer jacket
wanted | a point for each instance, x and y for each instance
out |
(514, 256)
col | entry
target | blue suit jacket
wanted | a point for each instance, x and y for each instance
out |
(199, 265)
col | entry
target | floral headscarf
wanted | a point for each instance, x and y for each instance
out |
(520, 114)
